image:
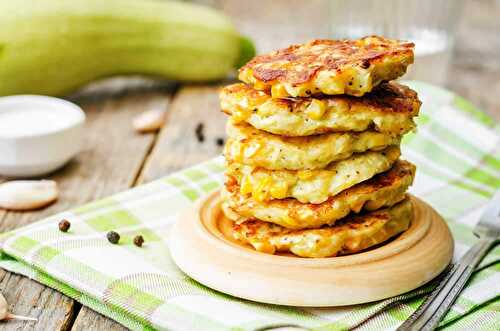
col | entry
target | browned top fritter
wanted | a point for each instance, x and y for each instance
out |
(357, 65)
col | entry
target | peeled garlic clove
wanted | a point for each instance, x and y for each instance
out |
(149, 121)
(5, 315)
(27, 194)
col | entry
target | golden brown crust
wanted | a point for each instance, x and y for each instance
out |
(302, 64)
(350, 235)
(389, 97)
(383, 190)
(388, 108)
(299, 63)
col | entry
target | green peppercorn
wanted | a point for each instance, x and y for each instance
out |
(138, 241)
(64, 225)
(113, 237)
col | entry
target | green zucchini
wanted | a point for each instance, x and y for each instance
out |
(53, 47)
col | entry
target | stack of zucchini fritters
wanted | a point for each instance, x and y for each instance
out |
(313, 151)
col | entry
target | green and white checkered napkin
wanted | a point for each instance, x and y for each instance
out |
(457, 152)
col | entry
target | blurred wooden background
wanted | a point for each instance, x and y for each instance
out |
(108, 165)
(475, 68)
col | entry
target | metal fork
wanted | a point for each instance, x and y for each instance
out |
(435, 307)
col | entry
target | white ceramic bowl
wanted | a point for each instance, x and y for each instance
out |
(38, 134)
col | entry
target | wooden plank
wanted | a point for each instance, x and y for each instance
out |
(90, 320)
(177, 146)
(105, 166)
(475, 69)
(27, 297)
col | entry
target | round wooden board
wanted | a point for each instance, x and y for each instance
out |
(201, 246)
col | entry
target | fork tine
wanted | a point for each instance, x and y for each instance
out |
(489, 224)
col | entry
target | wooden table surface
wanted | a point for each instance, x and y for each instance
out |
(115, 158)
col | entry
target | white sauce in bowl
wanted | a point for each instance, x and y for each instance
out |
(30, 122)
(38, 134)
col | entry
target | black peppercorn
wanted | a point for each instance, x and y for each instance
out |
(113, 237)
(199, 132)
(219, 141)
(64, 225)
(199, 127)
(138, 241)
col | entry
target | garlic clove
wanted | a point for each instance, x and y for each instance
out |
(149, 121)
(27, 194)
(5, 315)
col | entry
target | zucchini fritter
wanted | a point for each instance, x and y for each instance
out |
(258, 148)
(383, 190)
(390, 108)
(311, 186)
(330, 67)
(350, 235)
